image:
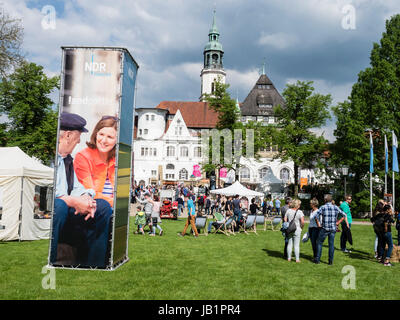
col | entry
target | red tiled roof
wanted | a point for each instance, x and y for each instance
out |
(195, 114)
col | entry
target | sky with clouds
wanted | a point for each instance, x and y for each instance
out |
(299, 40)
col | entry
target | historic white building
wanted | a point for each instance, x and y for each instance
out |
(167, 138)
(167, 145)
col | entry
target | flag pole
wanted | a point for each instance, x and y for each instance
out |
(386, 163)
(393, 188)
(385, 183)
(371, 169)
(370, 193)
(395, 165)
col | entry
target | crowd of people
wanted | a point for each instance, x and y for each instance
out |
(324, 221)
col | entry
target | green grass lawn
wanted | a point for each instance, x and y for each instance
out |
(212, 267)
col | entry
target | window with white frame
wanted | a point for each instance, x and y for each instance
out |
(266, 106)
(184, 152)
(170, 151)
(154, 173)
(244, 173)
(147, 117)
(197, 152)
(146, 131)
(262, 173)
(153, 117)
(169, 176)
(271, 120)
(183, 174)
(170, 166)
(284, 175)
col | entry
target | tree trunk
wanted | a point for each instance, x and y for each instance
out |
(296, 180)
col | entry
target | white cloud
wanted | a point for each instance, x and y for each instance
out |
(245, 78)
(278, 40)
(162, 36)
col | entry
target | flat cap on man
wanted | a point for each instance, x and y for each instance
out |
(72, 121)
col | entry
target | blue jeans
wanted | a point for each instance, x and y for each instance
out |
(331, 241)
(91, 237)
(313, 234)
(389, 242)
(237, 214)
(180, 209)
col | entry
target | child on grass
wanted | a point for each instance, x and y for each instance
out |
(140, 220)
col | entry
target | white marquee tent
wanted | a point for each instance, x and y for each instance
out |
(238, 188)
(19, 174)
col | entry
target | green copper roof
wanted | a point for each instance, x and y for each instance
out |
(213, 45)
(213, 37)
(214, 29)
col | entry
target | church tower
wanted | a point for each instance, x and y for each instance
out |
(213, 61)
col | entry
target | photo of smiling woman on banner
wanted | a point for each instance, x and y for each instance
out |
(95, 165)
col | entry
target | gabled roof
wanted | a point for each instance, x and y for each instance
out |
(261, 96)
(178, 121)
(195, 114)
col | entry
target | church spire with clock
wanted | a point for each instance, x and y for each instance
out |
(213, 61)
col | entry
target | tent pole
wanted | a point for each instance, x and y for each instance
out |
(20, 209)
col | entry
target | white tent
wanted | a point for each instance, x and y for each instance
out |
(19, 174)
(238, 188)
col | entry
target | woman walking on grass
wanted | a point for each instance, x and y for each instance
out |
(388, 220)
(293, 213)
(155, 216)
(313, 229)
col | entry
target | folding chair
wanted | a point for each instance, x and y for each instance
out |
(228, 226)
(260, 219)
(275, 223)
(223, 226)
(250, 223)
(219, 218)
(201, 223)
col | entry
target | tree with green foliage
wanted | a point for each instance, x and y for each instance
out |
(304, 110)
(228, 115)
(374, 104)
(31, 122)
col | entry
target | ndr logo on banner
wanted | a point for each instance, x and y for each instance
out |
(97, 68)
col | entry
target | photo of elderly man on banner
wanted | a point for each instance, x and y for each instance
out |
(84, 193)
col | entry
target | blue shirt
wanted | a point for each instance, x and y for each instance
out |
(191, 207)
(277, 203)
(62, 184)
(330, 214)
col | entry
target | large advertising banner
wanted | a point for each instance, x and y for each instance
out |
(90, 221)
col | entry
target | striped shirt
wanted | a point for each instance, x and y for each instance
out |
(108, 188)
